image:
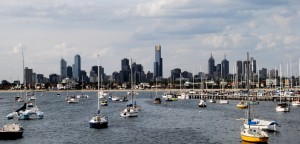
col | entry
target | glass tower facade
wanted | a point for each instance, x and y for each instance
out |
(158, 64)
(77, 67)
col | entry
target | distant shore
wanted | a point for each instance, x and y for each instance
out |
(142, 90)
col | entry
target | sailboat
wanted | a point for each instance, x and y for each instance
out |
(156, 100)
(82, 95)
(24, 113)
(281, 106)
(11, 131)
(130, 110)
(252, 134)
(99, 120)
(242, 105)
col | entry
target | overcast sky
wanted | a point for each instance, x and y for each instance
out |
(188, 31)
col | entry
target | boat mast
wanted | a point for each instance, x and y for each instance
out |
(247, 83)
(98, 87)
(131, 81)
(24, 80)
(279, 83)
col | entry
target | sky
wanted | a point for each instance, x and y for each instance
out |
(189, 31)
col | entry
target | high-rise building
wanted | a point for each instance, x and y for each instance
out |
(28, 75)
(253, 65)
(125, 71)
(225, 68)
(69, 72)
(175, 73)
(263, 73)
(63, 68)
(239, 68)
(77, 67)
(158, 64)
(211, 65)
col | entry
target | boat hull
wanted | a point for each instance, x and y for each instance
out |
(241, 106)
(11, 135)
(255, 139)
(98, 125)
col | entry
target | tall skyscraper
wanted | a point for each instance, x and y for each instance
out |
(211, 65)
(225, 68)
(253, 65)
(125, 71)
(63, 68)
(158, 64)
(239, 69)
(77, 67)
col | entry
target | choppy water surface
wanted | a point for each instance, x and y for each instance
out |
(172, 122)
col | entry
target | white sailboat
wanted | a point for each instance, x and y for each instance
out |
(130, 110)
(281, 106)
(82, 95)
(99, 120)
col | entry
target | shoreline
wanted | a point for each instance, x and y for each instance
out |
(143, 90)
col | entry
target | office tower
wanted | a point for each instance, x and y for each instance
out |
(69, 72)
(211, 65)
(125, 71)
(263, 73)
(77, 67)
(27, 76)
(225, 68)
(253, 65)
(53, 78)
(175, 73)
(63, 68)
(239, 68)
(158, 64)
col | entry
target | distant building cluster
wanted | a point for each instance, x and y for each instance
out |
(216, 73)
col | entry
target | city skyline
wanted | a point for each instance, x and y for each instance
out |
(188, 31)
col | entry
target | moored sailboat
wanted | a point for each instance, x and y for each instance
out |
(99, 120)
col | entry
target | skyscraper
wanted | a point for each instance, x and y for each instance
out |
(63, 68)
(69, 72)
(225, 68)
(125, 71)
(239, 69)
(158, 64)
(211, 65)
(77, 67)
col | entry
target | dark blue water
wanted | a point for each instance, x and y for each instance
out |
(173, 122)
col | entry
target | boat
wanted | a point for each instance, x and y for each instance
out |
(202, 103)
(253, 102)
(103, 102)
(266, 125)
(99, 120)
(72, 99)
(156, 100)
(82, 95)
(296, 102)
(224, 102)
(124, 99)
(249, 133)
(212, 101)
(242, 105)
(131, 110)
(115, 98)
(282, 106)
(254, 135)
(11, 132)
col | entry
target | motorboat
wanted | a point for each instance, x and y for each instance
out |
(157, 100)
(129, 112)
(254, 135)
(11, 132)
(296, 102)
(82, 96)
(262, 124)
(115, 98)
(212, 101)
(202, 103)
(72, 99)
(283, 107)
(242, 105)
(103, 103)
(224, 102)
